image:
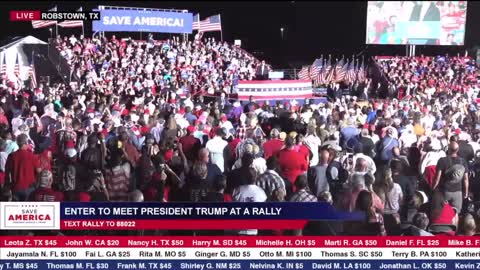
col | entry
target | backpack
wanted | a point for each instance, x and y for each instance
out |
(341, 177)
(351, 143)
(454, 174)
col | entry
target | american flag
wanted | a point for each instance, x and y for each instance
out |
(196, 22)
(16, 69)
(350, 77)
(44, 23)
(72, 23)
(33, 74)
(331, 74)
(361, 73)
(304, 73)
(341, 72)
(3, 68)
(316, 67)
(322, 76)
(210, 24)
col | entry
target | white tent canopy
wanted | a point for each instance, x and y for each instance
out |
(10, 51)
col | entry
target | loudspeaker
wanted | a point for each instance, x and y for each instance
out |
(45, 80)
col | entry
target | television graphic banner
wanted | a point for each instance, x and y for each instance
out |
(143, 21)
(100, 236)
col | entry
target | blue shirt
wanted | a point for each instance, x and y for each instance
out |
(371, 116)
(388, 143)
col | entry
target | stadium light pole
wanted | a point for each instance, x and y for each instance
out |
(281, 32)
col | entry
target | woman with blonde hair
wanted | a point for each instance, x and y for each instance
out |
(171, 131)
(392, 195)
(467, 227)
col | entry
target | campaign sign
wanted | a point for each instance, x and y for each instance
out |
(29, 215)
(143, 21)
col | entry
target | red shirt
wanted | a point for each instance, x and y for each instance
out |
(272, 147)
(292, 164)
(304, 151)
(47, 195)
(233, 146)
(21, 165)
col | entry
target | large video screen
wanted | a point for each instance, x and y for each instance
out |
(416, 22)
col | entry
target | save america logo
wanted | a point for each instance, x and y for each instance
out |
(29, 215)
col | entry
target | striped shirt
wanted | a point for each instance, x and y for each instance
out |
(269, 182)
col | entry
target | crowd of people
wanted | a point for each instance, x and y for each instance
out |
(429, 75)
(118, 66)
(124, 134)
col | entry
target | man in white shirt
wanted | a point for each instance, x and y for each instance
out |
(249, 193)
(216, 146)
(313, 142)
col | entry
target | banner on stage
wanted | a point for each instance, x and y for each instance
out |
(143, 21)
(274, 89)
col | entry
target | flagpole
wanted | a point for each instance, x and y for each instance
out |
(221, 28)
(32, 66)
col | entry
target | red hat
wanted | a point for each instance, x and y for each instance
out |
(191, 129)
(458, 131)
(443, 222)
(365, 126)
(84, 197)
(145, 130)
(168, 155)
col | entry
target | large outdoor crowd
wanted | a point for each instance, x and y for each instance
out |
(123, 133)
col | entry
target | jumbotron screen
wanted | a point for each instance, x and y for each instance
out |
(416, 22)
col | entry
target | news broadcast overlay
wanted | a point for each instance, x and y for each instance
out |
(188, 216)
(116, 20)
(252, 252)
(210, 252)
(416, 22)
(30, 15)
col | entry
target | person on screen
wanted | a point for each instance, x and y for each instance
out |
(389, 36)
(425, 11)
(450, 40)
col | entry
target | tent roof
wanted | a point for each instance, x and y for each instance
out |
(23, 40)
